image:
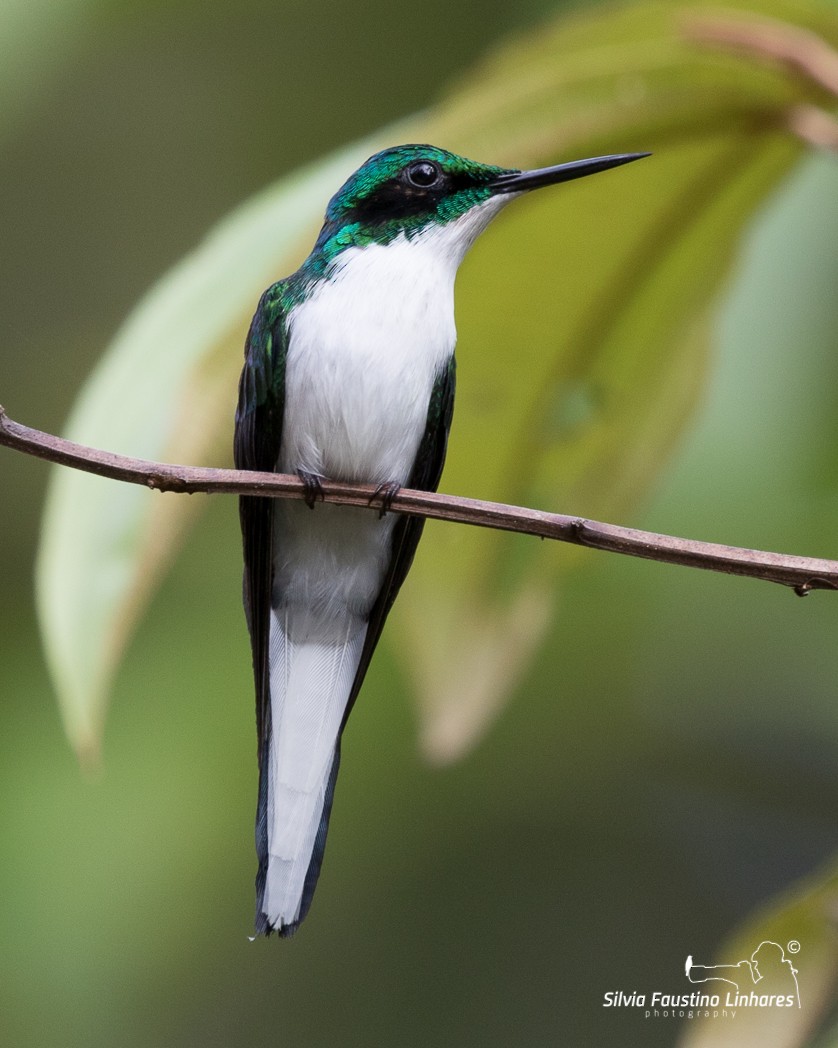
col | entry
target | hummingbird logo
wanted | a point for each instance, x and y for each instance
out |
(348, 375)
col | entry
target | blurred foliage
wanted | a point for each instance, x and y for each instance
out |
(669, 764)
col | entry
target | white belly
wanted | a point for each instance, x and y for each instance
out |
(364, 351)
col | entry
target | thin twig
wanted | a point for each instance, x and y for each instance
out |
(801, 51)
(803, 574)
(768, 39)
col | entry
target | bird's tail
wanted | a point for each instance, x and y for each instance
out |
(313, 662)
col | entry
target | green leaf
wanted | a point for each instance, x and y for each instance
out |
(583, 313)
(576, 384)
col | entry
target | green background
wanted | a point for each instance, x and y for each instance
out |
(667, 764)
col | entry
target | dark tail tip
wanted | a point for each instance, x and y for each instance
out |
(262, 924)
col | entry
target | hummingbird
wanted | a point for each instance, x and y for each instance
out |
(348, 375)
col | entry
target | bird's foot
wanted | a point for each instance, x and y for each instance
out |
(313, 484)
(386, 493)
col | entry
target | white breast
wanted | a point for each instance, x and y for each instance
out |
(364, 350)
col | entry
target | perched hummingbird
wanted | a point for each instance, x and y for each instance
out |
(348, 375)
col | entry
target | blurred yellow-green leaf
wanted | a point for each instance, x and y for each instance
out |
(582, 315)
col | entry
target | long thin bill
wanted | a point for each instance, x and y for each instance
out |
(520, 181)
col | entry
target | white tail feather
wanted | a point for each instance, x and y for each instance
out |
(313, 660)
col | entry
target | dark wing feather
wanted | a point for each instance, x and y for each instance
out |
(408, 530)
(257, 440)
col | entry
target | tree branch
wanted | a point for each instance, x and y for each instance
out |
(803, 574)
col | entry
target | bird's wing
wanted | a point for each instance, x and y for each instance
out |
(408, 530)
(258, 434)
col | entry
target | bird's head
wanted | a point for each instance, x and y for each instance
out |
(413, 190)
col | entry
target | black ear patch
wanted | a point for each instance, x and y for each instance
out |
(415, 191)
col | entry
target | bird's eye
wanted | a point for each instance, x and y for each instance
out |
(423, 174)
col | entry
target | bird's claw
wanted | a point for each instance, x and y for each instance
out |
(313, 484)
(386, 493)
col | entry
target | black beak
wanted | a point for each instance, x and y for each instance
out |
(520, 181)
